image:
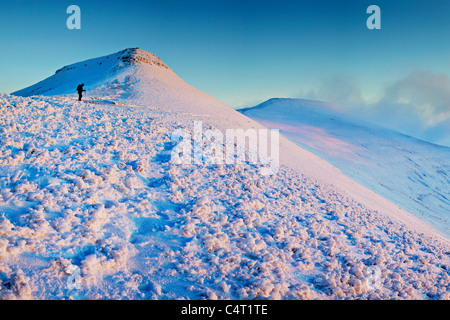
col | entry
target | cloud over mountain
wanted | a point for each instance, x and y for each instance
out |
(418, 104)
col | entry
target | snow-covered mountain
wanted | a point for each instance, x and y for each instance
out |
(412, 173)
(134, 75)
(92, 207)
(99, 72)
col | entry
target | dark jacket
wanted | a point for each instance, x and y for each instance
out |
(80, 88)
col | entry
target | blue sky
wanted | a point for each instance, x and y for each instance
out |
(245, 52)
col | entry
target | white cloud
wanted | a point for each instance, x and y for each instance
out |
(417, 105)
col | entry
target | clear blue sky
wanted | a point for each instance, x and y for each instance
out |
(241, 52)
(237, 51)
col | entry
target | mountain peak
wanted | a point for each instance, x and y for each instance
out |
(128, 57)
(132, 76)
(136, 55)
(99, 71)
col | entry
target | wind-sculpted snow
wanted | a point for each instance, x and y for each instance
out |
(91, 207)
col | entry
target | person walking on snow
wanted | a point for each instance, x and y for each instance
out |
(80, 91)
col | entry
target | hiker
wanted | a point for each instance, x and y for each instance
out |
(80, 91)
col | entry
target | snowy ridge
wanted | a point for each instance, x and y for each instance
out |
(413, 174)
(89, 189)
(284, 104)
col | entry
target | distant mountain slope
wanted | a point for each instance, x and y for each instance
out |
(412, 173)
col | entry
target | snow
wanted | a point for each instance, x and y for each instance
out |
(409, 172)
(92, 207)
(132, 75)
